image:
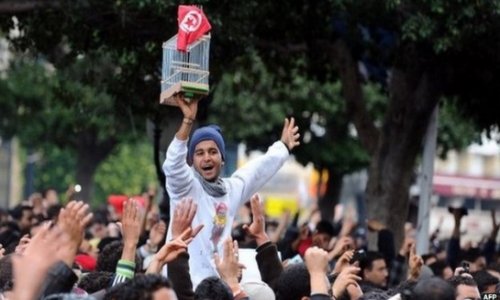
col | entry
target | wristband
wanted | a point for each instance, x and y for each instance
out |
(187, 120)
(285, 145)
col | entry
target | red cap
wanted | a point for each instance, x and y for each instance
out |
(86, 262)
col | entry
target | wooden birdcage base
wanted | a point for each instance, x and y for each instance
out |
(191, 90)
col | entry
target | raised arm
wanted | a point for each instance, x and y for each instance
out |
(189, 110)
(267, 258)
(131, 230)
(453, 249)
(489, 247)
(258, 171)
(177, 171)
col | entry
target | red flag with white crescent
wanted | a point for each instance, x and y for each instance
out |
(193, 24)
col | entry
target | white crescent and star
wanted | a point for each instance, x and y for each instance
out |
(191, 21)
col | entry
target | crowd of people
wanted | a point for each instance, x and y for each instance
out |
(53, 250)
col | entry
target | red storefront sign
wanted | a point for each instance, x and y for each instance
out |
(466, 186)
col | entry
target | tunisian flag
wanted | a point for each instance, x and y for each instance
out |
(192, 25)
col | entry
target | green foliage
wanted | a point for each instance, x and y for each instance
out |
(454, 130)
(251, 102)
(128, 170)
(55, 169)
(47, 106)
(446, 23)
(268, 60)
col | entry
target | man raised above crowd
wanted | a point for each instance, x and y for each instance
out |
(193, 170)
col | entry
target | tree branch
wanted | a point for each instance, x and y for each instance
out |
(18, 6)
(353, 94)
(280, 47)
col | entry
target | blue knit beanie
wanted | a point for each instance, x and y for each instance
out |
(207, 133)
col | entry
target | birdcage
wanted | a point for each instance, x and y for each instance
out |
(185, 72)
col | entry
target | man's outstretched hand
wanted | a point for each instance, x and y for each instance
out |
(290, 135)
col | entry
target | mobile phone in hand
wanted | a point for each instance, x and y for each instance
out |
(359, 254)
(297, 259)
(466, 267)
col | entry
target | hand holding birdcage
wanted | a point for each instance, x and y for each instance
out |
(188, 108)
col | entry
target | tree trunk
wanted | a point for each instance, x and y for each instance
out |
(392, 167)
(328, 201)
(85, 169)
(89, 154)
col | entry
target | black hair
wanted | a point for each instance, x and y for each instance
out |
(10, 236)
(472, 254)
(238, 234)
(100, 217)
(111, 254)
(213, 288)
(373, 295)
(433, 288)
(438, 268)
(6, 273)
(294, 283)
(484, 279)
(495, 266)
(141, 287)
(106, 241)
(47, 190)
(458, 280)
(95, 281)
(366, 262)
(53, 211)
(17, 212)
(325, 227)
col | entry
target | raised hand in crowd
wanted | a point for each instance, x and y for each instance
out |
(304, 233)
(495, 226)
(131, 228)
(457, 215)
(72, 220)
(282, 224)
(347, 280)
(70, 192)
(156, 236)
(170, 251)
(229, 267)
(460, 271)
(184, 214)
(316, 260)
(31, 268)
(290, 134)
(375, 225)
(147, 211)
(257, 229)
(2, 251)
(348, 226)
(406, 247)
(23, 243)
(415, 263)
(182, 235)
(342, 245)
(343, 262)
